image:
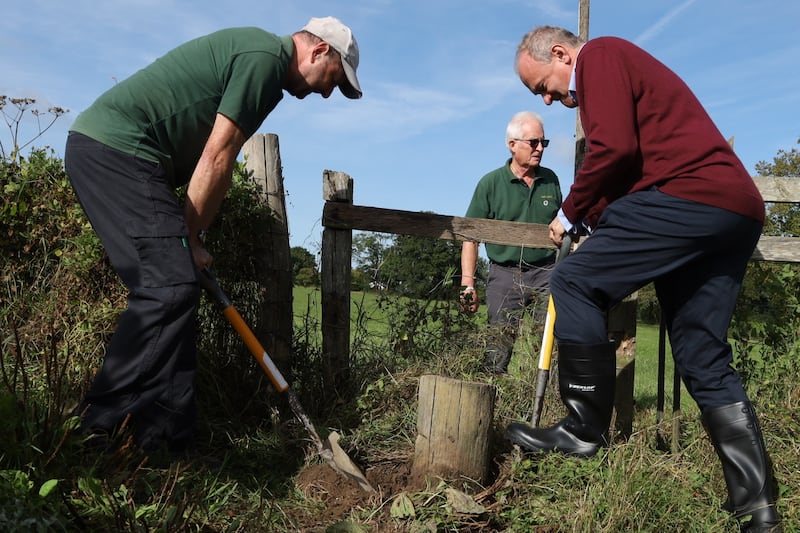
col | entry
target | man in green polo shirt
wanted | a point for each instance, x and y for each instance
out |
(520, 191)
(182, 119)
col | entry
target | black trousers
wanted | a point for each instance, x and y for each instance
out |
(695, 254)
(149, 367)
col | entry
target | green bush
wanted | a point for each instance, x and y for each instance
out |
(59, 301)
(58, 294)
(766, 329)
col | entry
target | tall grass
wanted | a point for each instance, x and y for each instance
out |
(58, 303)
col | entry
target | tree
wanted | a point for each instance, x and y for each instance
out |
(304, 267)
(416, 266)
(481, 272)
(369, 250)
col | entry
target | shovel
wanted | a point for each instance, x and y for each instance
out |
(546, 351)
(328, 449)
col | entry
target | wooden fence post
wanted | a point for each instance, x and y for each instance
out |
(622, 329)
(454, 419)
(263, 162)
(337, 253)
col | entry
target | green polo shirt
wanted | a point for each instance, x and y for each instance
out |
(500, 195)
(164, 112)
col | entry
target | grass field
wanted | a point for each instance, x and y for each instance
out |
(254, 468)
(646, 375)
(644, 483)
(365, 309)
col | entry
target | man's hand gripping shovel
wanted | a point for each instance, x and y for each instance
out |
(546, 351)
(328, 449)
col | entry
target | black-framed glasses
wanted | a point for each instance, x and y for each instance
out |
(534, 143)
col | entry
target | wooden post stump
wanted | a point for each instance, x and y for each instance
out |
(622, 329)
(454, 420)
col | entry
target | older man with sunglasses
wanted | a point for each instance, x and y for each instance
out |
(521, 191)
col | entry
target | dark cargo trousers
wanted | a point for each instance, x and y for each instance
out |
(149, 367)
(509, 291)
(695, 255)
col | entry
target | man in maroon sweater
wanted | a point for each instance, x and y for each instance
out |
(666, 201)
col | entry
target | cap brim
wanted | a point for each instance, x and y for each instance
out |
(350, 88)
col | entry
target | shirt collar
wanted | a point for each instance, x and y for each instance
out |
(573, 87)
(514, 177)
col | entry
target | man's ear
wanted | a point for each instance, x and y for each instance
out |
(560, 54)
(320, 50)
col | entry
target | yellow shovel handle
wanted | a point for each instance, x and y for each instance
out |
(546, 351)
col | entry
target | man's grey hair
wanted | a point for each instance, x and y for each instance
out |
(538, 42)
(518, 121)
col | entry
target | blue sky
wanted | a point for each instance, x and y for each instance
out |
(438, 80)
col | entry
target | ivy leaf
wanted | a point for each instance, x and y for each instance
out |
(403, 507)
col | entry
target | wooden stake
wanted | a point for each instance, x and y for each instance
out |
(453, 428)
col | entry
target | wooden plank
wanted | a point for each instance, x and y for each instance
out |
(778, 189)
(344, 216)
(338, 215)
(780, 249)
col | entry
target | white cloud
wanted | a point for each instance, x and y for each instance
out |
(664, 21)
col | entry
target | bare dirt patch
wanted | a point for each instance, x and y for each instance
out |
(334, 499)
(340, 495)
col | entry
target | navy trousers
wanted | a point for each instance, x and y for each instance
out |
(695, 255)
(149, 367)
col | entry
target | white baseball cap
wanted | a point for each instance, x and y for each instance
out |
(332, 31)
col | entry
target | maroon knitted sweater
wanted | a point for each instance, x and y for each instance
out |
(645, 127)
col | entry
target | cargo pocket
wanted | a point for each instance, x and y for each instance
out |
(165, 258)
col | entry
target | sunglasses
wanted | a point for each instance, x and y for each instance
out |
(534, 143)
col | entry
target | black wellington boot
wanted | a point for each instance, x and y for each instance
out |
(736, 435)
(586, 378)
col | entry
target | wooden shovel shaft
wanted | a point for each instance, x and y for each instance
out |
(209, 283)
(258, 351)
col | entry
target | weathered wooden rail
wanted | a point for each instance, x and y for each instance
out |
(778, 190)
(345, 216)
(340, 217)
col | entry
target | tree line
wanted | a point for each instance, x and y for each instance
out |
(401, 264)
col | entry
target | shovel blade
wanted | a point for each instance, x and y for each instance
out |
(341, 462)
